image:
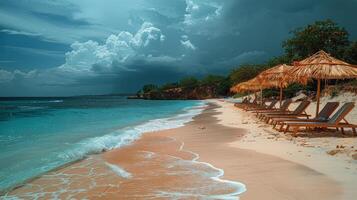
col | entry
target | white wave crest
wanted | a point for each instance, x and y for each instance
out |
(128, 135)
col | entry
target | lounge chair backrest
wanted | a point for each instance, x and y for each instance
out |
(272, 104)
(341, 113)
(286, 104)
(328, 109)
(254, 101)
(302, 107)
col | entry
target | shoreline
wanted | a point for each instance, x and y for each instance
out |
(265, 176)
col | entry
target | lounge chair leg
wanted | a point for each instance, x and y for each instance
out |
(287, 128)
(275, 124)
(267, 120)
(281, 127)
(295, 130)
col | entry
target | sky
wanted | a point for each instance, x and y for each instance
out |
(77, 47)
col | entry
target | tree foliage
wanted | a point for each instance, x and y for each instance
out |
(221, 84)
(150, 88)
(351, 53)
(322, 35)
(245, 72)
(168, 86)
(212, 80)
(188, 82)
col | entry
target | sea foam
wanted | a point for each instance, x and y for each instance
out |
(119, 171)
(125, 136)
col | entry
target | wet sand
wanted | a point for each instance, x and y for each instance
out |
(163, 165)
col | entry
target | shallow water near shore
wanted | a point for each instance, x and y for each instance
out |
(41, 134)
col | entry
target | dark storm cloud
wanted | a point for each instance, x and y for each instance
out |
(134, 42)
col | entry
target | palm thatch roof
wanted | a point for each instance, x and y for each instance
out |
(278, 76)
(323, 66)
(252, 85)
(244, 87)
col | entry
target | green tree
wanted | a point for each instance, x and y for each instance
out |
(351, 53)
(224, 86)
(168, 86)
(220, 83)
(212, 80)
(149, 88)
(245, 72)
(188, 82)
(322, 35)
(284, 59)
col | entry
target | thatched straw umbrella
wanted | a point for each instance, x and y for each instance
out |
(278, 76)
(322, 66)
(244, 87)
(252, 85)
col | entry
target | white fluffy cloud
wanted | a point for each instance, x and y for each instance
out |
(118, 48)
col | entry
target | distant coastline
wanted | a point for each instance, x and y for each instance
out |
(180, 93)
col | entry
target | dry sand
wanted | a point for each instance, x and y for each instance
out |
(320, 151)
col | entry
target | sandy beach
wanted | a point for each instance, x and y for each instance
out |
(188, 163)
(328, 153)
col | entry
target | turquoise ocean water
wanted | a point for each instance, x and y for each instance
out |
(40, 134)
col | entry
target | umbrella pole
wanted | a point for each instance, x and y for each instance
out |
(281, 95)
(261, 96)
(318, 96)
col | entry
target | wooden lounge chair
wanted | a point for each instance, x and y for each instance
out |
(335, 121)
(284, 107)
(264, 107)
(250, 104)
(298, 112)
(254, 105)
(245, 101)
(323, 116)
